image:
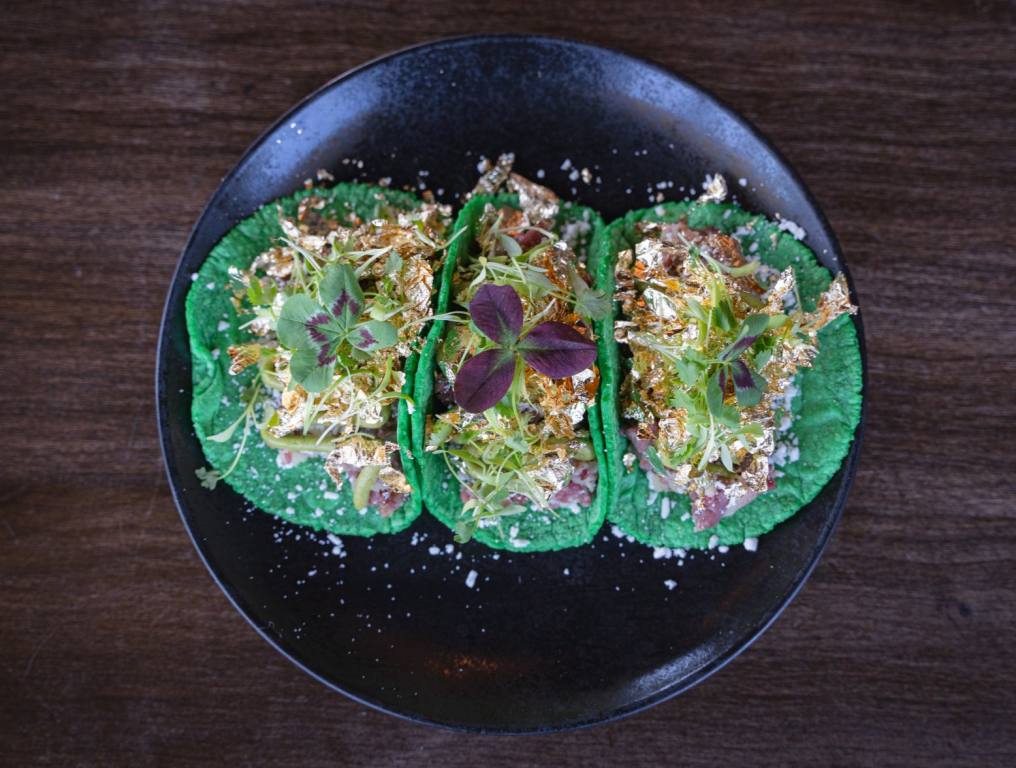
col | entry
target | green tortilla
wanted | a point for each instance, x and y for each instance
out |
(303, 494)
(534, 530)
(827, 407)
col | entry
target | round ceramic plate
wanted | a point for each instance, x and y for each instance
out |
(462, 636)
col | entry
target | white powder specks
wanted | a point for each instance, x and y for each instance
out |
(337, 549)
(222, 326)
(670, 584)
(567, 572)
(618, 533)
(743, 182)
(434, 550)
(793, 228)
(471, 579)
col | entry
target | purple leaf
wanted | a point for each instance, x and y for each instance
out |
(557, 350)
(752, 327)
(483, 380)
(748, 385)
(497, 311)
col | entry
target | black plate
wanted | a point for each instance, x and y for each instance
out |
(545, 641)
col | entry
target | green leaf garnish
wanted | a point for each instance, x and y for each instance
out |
(373, 335)
(590, 303)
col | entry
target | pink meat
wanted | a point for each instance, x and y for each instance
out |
(528, 239)
(382, 498)
(578, 492)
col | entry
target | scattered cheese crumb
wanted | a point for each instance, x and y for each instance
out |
(670, 584)
(471, 579)
(793, 228)
(751, 544)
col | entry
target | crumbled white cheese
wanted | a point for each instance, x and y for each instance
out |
(793, 228)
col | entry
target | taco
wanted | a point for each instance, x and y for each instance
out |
(732, 374)
(305, 323)
(506, 428)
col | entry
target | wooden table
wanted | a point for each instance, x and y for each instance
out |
(116, 124)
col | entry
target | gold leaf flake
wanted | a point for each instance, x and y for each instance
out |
(243, 356)
(539, 203)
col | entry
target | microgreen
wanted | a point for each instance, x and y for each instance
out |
(315, 331)
(210, 477)
(590, 303)
(551, 348)
(711, 423)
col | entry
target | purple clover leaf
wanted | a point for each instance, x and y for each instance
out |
(553, 349)
(484, 379)
(557, 350)
(497, 311)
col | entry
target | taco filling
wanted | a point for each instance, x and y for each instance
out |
(335, 308)
(716, 341)
(515, 377)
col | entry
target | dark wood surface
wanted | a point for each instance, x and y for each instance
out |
(117, 122)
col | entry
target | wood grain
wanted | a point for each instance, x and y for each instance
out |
(116, 124)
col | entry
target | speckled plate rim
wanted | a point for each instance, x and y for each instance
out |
(849, 466)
